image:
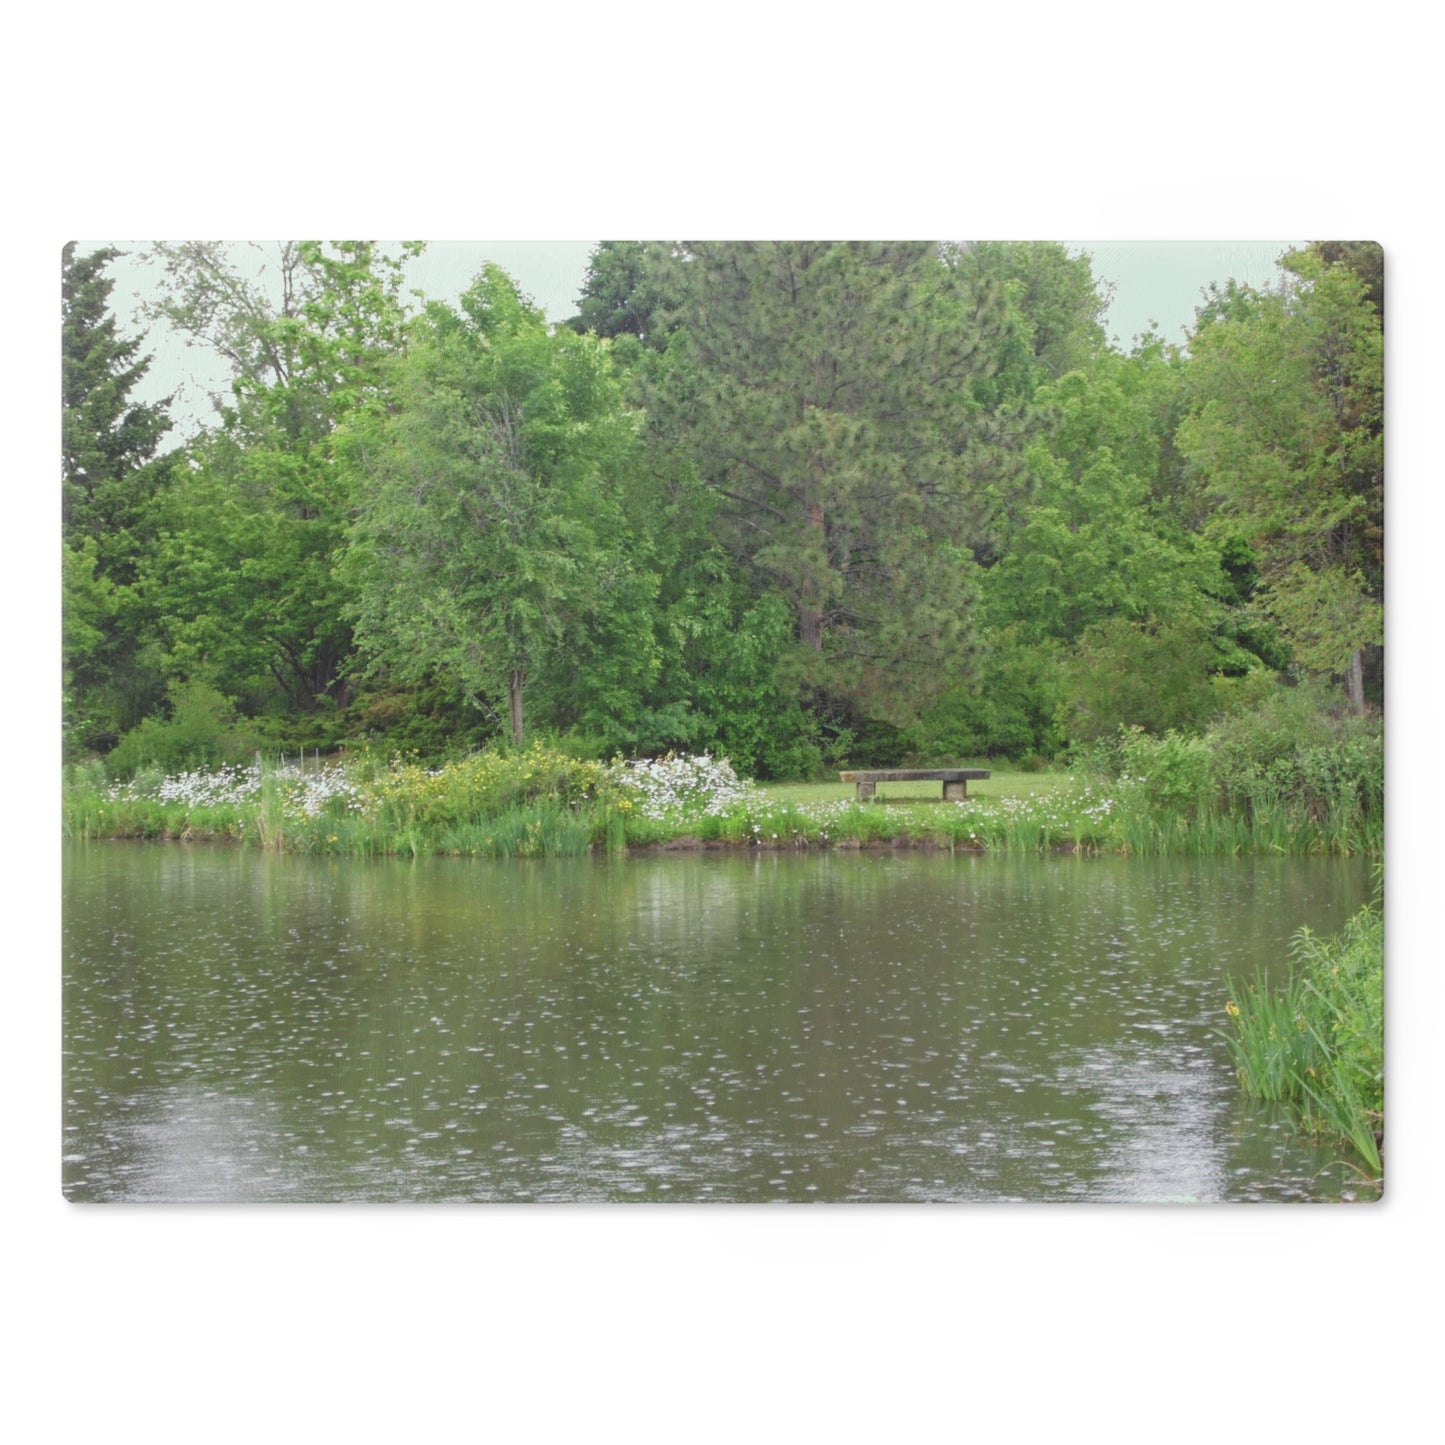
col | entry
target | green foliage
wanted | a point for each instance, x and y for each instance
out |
(1318, 1042)
(1009, 710)
(1056, 311)
(1099, 567)
(625, 293)
(242, 574)
(242, 579)
(823, 391)
(1173, 772)
(718, 642)
(305, 326)
(108, 444)
(110, 473)
(1137, 674)
(811, 504)
(491, 549)
(1285, 440)
(88, 614)
(724, 650)
(422, 721)
(200, 731)
(1287, 775)
(483, 787)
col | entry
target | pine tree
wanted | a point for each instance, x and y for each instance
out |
(827, 391)
(108, 444)
(109, 474)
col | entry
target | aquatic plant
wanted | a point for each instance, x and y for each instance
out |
(1318, 1042)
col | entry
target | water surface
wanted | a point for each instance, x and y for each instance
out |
(748, 1027)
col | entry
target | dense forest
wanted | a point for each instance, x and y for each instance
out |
(799, 504)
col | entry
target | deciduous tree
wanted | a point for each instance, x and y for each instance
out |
(243, 574)
(490, 539)
(1285, 436)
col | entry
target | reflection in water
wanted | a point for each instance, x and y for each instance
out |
(730, 1027)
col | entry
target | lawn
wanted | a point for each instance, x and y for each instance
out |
(1000, 785)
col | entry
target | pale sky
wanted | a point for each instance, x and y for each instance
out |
(1160, 281)
(1155, 281)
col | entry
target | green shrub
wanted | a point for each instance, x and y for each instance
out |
(1133, 674)
(201, 731)
(1006, 710)
(483, 786)
(1293, 774)
(426, 722)
(1174, 772)
(1279, 724)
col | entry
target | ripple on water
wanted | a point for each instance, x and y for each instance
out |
(935, 1029)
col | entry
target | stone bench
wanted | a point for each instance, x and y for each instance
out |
(954, 780)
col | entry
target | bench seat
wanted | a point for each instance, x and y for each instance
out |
(954, 780)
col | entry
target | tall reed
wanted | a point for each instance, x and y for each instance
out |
(1318, 1042)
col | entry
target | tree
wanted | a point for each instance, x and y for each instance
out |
(304, 329)
(625, 293)
(242, 576)
(1099, 565)
(1365, 258)
(824, 391)
(1095, 543)
(108, 443)
(1056, 309)
(244, 573)
(490, 540)
(1285, 438)
(110, 472)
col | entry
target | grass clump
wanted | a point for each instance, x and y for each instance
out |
(1318, 1043)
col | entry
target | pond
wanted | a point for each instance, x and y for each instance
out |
(870, 1026)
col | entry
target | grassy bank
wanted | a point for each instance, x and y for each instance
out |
(1318, 1043)
(539, 802)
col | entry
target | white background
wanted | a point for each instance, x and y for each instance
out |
(1028, 1323)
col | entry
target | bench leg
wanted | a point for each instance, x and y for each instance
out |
(866, 791)
(955, 792)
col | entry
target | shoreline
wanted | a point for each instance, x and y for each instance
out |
(686, 844)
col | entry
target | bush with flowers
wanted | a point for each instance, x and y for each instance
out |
(679, 788)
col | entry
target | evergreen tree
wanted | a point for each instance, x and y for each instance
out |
(1056, 309)
(625, 293)
(825, 391)
(108, 443)
(110, 471)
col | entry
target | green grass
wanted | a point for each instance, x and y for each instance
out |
(1000, 785)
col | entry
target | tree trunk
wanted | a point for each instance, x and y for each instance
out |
(810, 618)
(1356, 682)
(514, 698)
(810, 626)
